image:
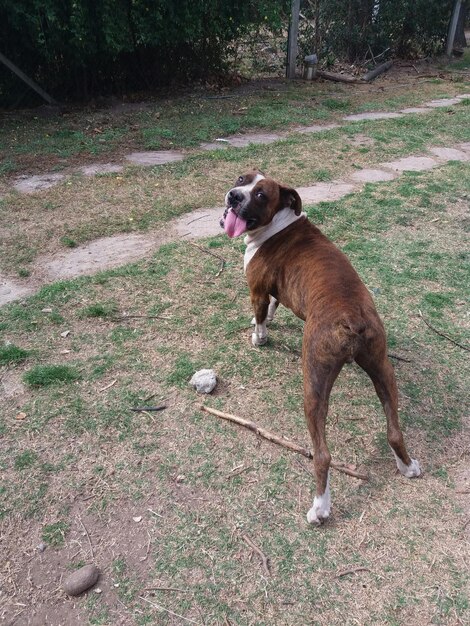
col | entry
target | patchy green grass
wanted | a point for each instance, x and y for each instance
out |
(9, 353)
(145, 198)
(46, 375)
(198, 485)
(54, 534)
(164, 500)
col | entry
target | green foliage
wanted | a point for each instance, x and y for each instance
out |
(77, 47)
(335, 28)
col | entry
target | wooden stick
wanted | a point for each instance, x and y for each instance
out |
(259, 552)
(145, 409)
(456, 343)
(162, 608)
(352, 570)
(380, 69)
(262, 432)
(280, 441)
(88, 537)
(217, 256)
(338, 78)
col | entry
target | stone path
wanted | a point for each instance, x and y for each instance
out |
(30, 184)
(115, 251)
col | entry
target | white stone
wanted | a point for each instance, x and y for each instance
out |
(204, 381)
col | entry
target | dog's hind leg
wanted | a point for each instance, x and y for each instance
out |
(382, 375)
(318, 380)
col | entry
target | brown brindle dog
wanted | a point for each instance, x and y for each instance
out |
(289, 261)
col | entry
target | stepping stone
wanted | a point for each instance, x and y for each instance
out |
(378, 115)
(465, 146)
(463, 96)
(316, 128)
(411, 164)
(372, 176)
(30, 184)
(200, 223)
(98, 255)
(442, 102)
(215, 145)
(101, 168)
(157, 157)
(415, 110)
(324, 192)
(10, 291)
(241, 141)
(450, 154)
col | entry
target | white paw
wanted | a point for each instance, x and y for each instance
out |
(258, 340)
(412, 470)
(320, 510)
(253, 321)
(268, 320)
(409, 471)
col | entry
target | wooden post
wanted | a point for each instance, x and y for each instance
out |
(453, 27)
(292, 41)
(29, 81)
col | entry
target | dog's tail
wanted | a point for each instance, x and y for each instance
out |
(352, 331)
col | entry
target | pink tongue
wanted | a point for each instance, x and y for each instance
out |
(234, 226)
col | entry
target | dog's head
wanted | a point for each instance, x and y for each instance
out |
(253, 202)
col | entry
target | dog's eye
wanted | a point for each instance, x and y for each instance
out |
(260, 195)
(240, 180)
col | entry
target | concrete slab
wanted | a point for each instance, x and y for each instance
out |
(372, 115)
(200, 223)
(442, 102)
(157, 157)
(411, 164)
(325, 192)
(372, 176)
(10, 291)
(30, 184)
(241, 141)
(415, 110)
(101, 168)
(315, 128)
(450, 154)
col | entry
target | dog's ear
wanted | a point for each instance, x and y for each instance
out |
(290, 198)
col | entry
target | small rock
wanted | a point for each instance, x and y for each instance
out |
(137, 519)
(66, 333)
(20, 415)
(81, 580)
(46, 310)
(41, 547)
(204, 381)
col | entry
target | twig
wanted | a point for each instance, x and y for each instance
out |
(399, 358)
(154, 513)
(88, 537)
(162, 608)
(165, 589)
(108, 386)
(238, 471)
(145, 317)
(140, 409)
(280, 441)
(144, 558)
(352, 570)
(217, 256)
(456, 343)
(259, 552)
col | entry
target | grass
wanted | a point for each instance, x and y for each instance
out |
(198, 484)
(46, 375)
(10, 353)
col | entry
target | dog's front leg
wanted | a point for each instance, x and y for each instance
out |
(272, 308)
(261, 305)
